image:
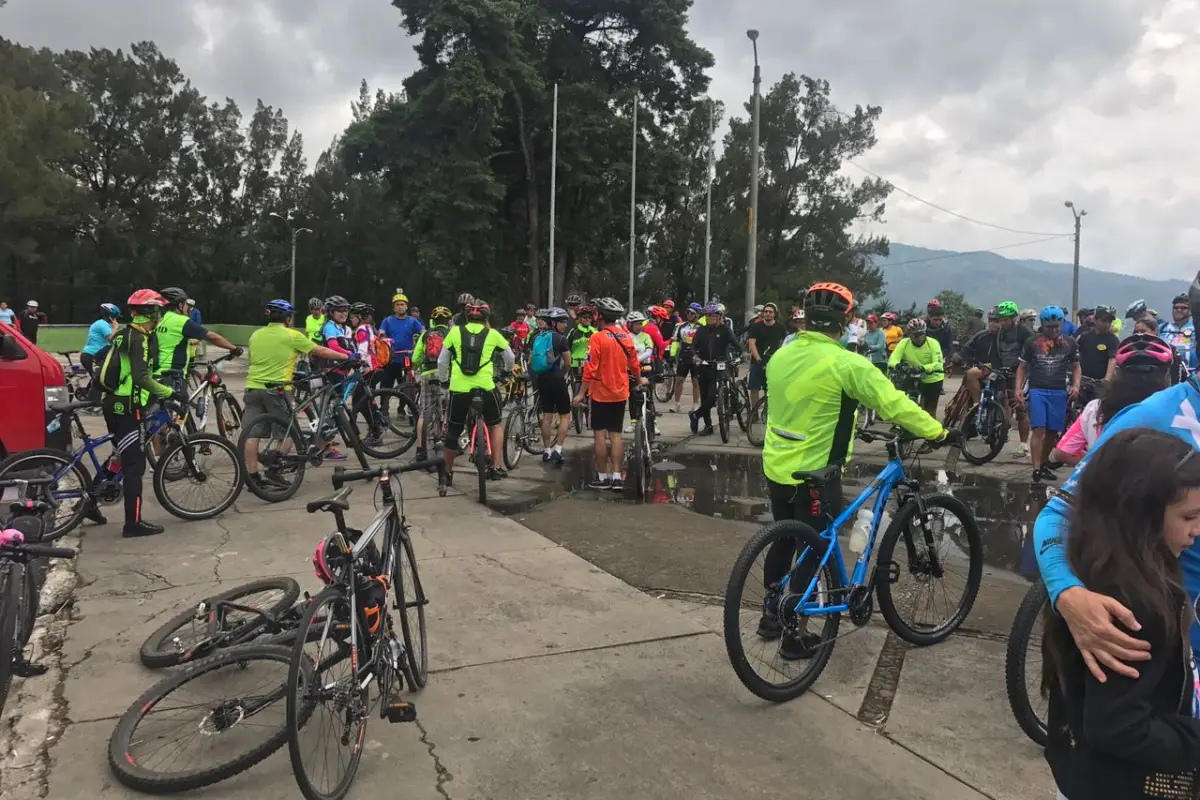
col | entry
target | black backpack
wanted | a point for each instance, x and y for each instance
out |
(470, 359)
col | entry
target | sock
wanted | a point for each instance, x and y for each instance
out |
(547, 451)
(558, 448)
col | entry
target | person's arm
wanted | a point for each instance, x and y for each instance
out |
(937, 366)
(443, 362)
(1111, 368)
(418, 356)
(506, 352)
(1022, 372)
(139, 367)
(863, 381)
(1072, 445)
(898, 353)
(752, 343)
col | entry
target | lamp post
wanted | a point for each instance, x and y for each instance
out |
(752, 246)
(295, 235)
(708, 203)
(1078, 215)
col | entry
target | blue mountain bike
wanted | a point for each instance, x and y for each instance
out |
(931, 539)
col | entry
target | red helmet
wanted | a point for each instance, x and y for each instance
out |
(668, 303)
(934, 303)
(872, 318)
(477, 308)
(1144, 350)
(658, 312)
(146, 297)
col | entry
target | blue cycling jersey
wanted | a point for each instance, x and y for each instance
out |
(1172, 411)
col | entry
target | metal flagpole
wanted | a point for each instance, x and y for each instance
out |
(553, 195)
(633, 204)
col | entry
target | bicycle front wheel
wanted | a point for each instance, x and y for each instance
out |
(756, 428)
(664, 387)
(514, 437)
(199, 477)
(385, 436)
(70, 494)
(984, 433)
(281, 457)
(1023, 665)
(226, 710)
(229, 416)
(723, 413)
(480, 454)
(741, 398)
(930, 556)
(411, 602)
(12, 584)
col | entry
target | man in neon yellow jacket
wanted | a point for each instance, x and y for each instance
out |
(923, 354)
(814, 389)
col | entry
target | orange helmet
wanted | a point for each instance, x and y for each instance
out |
(146, 297)
(828, 303)
(658, 312)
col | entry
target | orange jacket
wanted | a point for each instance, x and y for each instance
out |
(611, 360)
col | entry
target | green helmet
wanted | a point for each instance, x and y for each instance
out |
(1007, 309)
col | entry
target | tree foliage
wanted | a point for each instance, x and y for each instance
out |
(117, 173)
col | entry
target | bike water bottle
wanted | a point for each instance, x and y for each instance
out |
(862, 528)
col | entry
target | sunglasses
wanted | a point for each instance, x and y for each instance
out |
(1183, 308)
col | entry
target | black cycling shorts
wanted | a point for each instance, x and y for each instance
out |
(608, 416)
(554, 396)
(460, 405)
(685, 367)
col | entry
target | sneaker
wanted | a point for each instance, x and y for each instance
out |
(693, 421)
(496, 474)
(674, 409)
(333, 454)
(448, 481)
(617, 485)
(1043, 474)
(557, 458)
(601, 483)
(769, 627)
(707, 430)
(1053, 465)
(141, 528)
(93, 514)
(272, 478)
(373, 440)
(629, 428)
(422, 454)
(798, 648)
(546, 456)
(1022, 451)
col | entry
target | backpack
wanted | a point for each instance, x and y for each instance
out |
(543, 353)
(470, 360)
(380, 349)
(109, 374)
(433, 345)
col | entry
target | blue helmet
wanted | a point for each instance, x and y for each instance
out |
(695, 307)
(713, 308)
(1051, 315)
(110, 309)
(281, 306)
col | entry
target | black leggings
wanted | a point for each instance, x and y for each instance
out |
(794, 502)
(126, 430)
(707, 377)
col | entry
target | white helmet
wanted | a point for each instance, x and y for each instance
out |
(635, 316)
(32, 304)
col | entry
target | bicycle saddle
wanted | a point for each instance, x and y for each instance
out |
(818, 477)
(333, 502)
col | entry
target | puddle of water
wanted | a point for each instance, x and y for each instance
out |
(732, 486)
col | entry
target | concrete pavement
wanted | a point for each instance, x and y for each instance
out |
(551, 677)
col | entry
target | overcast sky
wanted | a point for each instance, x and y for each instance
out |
(997, 110)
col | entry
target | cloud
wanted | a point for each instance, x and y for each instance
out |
(997, 110)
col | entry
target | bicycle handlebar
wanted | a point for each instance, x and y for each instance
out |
(37, 551)
(342, 475)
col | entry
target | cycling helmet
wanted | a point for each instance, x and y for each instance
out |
(110, 309)
(720, 308)
(1084, 313)
(1138, 307)
(695, 307)
(872, 318)
(1181, 298)
(399, 297)
(1007, 309)
(574, 300)
(609, 308)
(659, 312)
(279, 307)
(465, 300)
(993, 313)
(336, 303)
(934, 304)
(1110, 310)
(315, 303)
(1028, 313)
(758, 309)
(144, 298)
(916, 327)
(889, 316)
(591, 312)
(1051, 315)
(361, 309)
(635, 316)
(32, 304)
(324, 558)
(828, 303)
(508, 331)
(557, 314)
(1144, 350)
(440, 312)
(669, 303)
(712, 309)
(478, 309)
(174, 295)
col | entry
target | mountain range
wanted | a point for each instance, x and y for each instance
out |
(915, 274)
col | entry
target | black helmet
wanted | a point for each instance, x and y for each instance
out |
(336, 301)
(609, 308)
(574, 300)
(174, 295)
(827, 304)
(360, 309)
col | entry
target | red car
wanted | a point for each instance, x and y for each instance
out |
(31, 380)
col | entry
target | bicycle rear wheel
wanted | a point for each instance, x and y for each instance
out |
(514, 437)
(387, 436)
(12, 583)
(282, 457)
(929, 546)
(211, 479)
(70, 493)
(742, 408)
(723, 413)
(202, 709)
(411, 602)
(273, 596)
(229, 415)
(664, 387)
(533, 425)
(480, 455)
(756, 429)
(1023, 665)
(984, 433)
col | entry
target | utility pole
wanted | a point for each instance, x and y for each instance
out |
(553, 195)
(633, 205)
(752, 247)
(295, 235)
(1078, 215)
(708, 206)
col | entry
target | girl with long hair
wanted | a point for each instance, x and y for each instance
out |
(1137, 507)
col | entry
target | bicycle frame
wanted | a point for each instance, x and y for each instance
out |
(881, 489)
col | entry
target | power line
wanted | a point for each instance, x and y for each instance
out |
(978, 252)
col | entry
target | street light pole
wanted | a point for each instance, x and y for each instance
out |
(1078, 215)
(633, 204)
(752, 246)
(553, 194)
(295, 235)
(708, 206)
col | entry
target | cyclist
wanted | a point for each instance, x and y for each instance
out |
(1027, 319)
(653, 329)
(891, 330)
(1048, 361)
(425, 358)
(127, 387)
(579, 336)
(667, 324)
(175, 328)
(763, 338)
(648, 357)
(713, 344)
(1098, 348)
(550, 363)
(364, 333)
(314, 323)
(1000, 347)
(922, 352)
(875, 343)
(937, 329)
(337, 336)
(611, 361)
(273, 352)
(99, 339)
(466, 361)
(682, 349)
(1180, 332)
(573, 301)
(401, 330)
(1143, 367)
(1088, 614)
(818, 385)
(460, 317)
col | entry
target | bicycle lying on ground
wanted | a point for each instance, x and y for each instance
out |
(816, 588)
(351, 617)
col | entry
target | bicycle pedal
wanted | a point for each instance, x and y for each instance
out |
(400, 712)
